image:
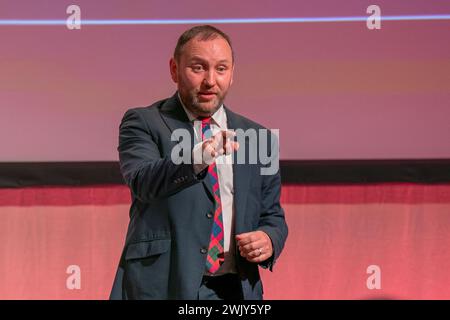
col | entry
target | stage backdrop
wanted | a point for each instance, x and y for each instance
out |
(335, 90)
(349, 92)
(381, 241)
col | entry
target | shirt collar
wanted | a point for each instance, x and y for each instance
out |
(219, 117)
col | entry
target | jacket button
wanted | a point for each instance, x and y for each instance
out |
(209, 215)
(203, 250)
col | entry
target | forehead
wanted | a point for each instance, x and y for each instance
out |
(211, 49)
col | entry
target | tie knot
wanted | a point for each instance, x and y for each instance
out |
(205, 120)
(206, 127)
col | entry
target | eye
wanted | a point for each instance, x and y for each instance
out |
(221, 69)
(197, 68)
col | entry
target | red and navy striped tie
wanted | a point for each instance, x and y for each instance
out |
(215, 256)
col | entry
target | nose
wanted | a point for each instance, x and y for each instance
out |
(210, 79)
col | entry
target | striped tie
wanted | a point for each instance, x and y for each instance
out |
(215, 256)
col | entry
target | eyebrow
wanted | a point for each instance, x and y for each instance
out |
(197, 58)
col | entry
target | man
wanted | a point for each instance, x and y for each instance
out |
(198, 229)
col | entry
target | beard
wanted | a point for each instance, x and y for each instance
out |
(201, 107)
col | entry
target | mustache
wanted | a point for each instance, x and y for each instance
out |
(207, 92)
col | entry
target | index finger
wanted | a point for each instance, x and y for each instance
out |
(228, 133)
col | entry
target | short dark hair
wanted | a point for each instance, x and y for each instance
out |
(204, 32)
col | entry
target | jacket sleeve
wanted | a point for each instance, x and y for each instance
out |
(149, 174)
(272, 220)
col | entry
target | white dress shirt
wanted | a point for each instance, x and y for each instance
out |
(225, 172)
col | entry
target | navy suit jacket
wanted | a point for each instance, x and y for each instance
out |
(170, 214)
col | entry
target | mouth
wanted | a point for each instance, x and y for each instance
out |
(207, 95)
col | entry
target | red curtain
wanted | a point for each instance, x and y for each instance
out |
(387, 240)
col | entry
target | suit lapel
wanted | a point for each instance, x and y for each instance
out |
(241, 176)
(175, 117)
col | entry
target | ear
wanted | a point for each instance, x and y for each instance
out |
(173, 70)
(232, 73)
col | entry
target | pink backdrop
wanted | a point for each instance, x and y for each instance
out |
(335, 91)
(336, 233)
(385, 91)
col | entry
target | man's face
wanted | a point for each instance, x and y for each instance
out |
(204, 73)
